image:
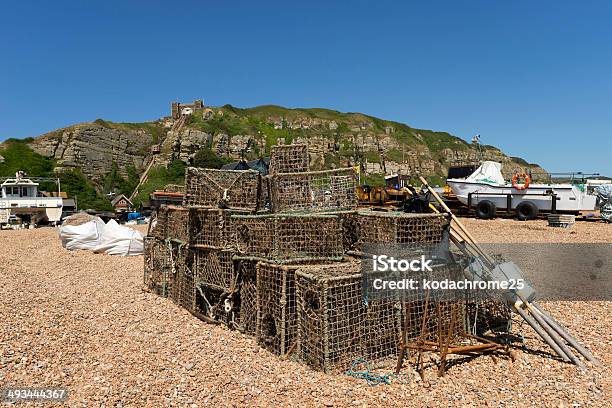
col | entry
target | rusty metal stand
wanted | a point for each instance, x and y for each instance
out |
(445, 344)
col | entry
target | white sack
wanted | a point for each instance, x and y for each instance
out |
(84, 236)
(110, 238)
(119, 240)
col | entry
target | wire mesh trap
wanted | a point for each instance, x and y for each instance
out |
(177, 224)
(324, 190)
(159, 223)
(373, 227)
(233, 189)
(292, 158)
(425, 310)
(156, 266)
(214, 268)
(440, 321)
(381, 329)
(276, 318)
(284, 238)
(183, 287)
(247, 272)
(212, 228)
(218, 305)
(487, 315)
(170, 222)
(335, 327)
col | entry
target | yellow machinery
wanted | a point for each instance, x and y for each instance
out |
(381, 195)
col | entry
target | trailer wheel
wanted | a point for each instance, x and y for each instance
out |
(486, 210)
(526, 211)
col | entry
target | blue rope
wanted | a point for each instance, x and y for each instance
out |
(371, 378)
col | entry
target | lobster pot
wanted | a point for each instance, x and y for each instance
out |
(398, 228)
(219, 305)
(329, 313)
(156, 266)
(183, 287)
(276, 319)
(247, 272)
(214, 268)
(325, 190)
(232, 189)
(350, 230)
(381, 330)
(177, 223)
(286, 238)
(265, 199)
(211, 228)
(335, 326)
(487, 310)
(483, 315)
(159, 223)
(292, 158)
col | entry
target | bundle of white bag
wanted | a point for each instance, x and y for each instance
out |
(110, 238)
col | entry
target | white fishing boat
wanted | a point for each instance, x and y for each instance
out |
(486, 191)
(20, 197)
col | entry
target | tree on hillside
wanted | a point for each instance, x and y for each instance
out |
(115, 183)
(75, 184)
(206, 158)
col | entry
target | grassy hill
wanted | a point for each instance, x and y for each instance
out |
(336, 139)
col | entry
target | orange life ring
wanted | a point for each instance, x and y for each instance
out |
(525, 184)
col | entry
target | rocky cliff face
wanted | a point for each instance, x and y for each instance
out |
(335, 140)
(93, 148)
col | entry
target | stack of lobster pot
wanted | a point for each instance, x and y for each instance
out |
(304, 227)
(224, 285)
(189, 250)
(275, 257)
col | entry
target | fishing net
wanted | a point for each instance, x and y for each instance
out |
(233, 189)
(292, 158)
(314, 190)
(289, 237)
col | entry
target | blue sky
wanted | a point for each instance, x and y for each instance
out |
(532, 77)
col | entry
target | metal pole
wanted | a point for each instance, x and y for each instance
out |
(563, 333)
(556, 338)
(541, 332)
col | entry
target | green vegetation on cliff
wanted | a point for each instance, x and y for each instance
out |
(19, 156)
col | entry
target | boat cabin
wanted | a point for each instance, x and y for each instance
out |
(19, 188)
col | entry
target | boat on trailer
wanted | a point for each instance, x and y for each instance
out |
(487, 191)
